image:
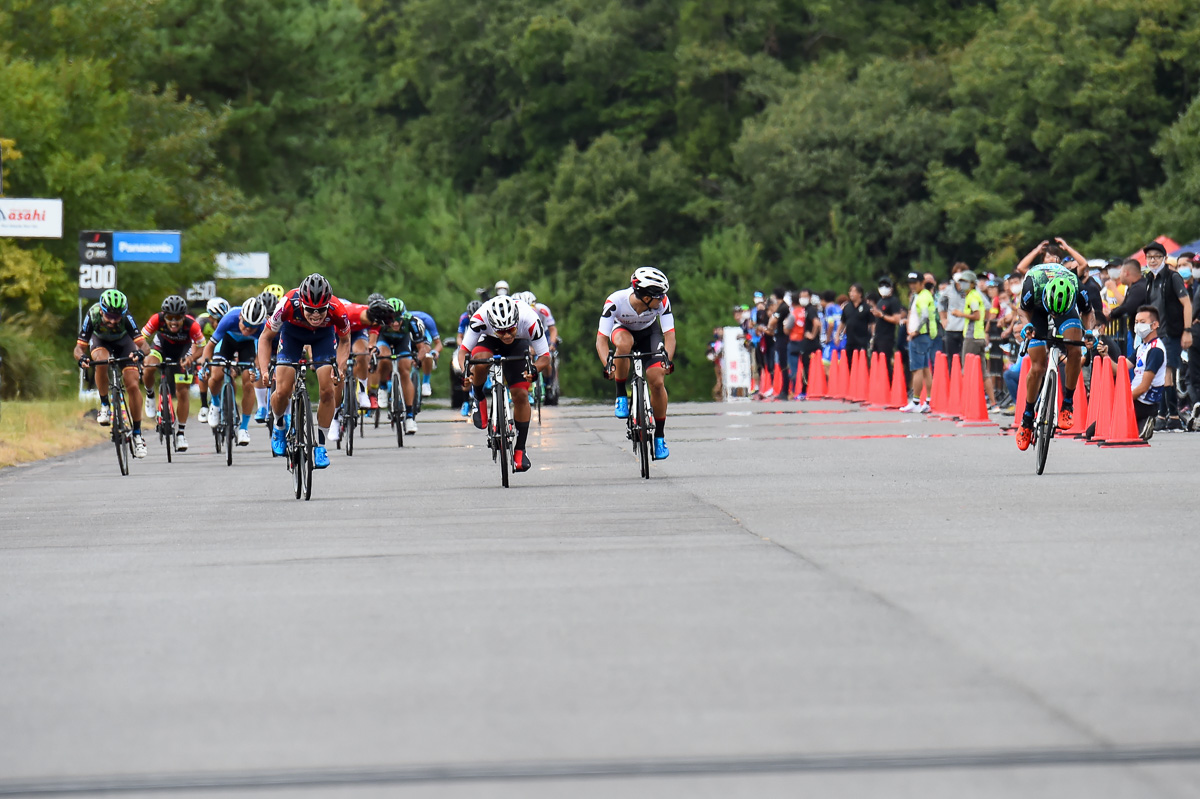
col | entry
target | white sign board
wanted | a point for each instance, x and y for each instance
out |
(202, 292)
(30, 219)
(737, 364)
(243, 265)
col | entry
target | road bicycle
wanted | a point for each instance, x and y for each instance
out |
(639, 425)
(166, 422)
(350, 415)
(1045, 411)
(118, 403)
(301, 435)
(501, 429)
(225, 431)
(397, 409)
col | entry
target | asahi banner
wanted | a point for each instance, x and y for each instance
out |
(30, 219)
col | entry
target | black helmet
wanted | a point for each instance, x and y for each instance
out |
(379, 311)
(269, 301)
(376, 296)
(315, 291)
(174, 306)
(473, 306)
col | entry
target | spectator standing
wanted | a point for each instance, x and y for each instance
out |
(831, 317)
(1136, 294)
(888, 313)
(795, 334)
(922, 326)
(777, 323)
(950, 306)
(856, 321)
(1168, 294)
(974, 316)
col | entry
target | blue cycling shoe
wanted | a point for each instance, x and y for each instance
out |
(278, 441)
(622, 409)
(660, 449)
(466, 409)
(260, 416)
(320, 457)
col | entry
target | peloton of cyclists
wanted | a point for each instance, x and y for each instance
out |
(306, 316)
(640, 317)
(505, 327)
(365, 323)
(174, 336)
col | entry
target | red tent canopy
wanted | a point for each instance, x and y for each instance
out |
(1168, 244)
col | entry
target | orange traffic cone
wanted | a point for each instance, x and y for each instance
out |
(832, 388)
(879, 381)
(844, 383)
(939, 394)
(855, 371)
(1079, 428)
(777, 382)
(1022, 382)
(899, 395)
(864, 377)
(953, 407)
(974, 401)
(1101, 388)
(1123, 428)
(816, 377)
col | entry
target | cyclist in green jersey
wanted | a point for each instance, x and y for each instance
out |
(109, 331)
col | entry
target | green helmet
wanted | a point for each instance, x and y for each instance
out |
(1059, 294)
(397, 305)
(112, 301)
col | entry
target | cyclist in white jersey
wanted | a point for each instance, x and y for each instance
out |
(503, 326)
(640, 317)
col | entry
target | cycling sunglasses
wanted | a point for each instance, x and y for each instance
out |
(646, 296)
(174, 318)
(508, 331)
(315, 310)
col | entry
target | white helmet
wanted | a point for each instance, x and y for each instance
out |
(526, 297)
(218, 307)
(501, 312)
(254, 312)
(650, 280)
(501, 288)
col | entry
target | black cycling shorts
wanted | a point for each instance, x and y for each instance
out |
(514, 371)
(646, 340)
(121, 348)
(232, 350)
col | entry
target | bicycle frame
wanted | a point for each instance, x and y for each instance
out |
(118, 403)
(226, 429)
(501, 429)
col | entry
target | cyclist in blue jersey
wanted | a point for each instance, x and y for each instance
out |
(236, 339)
(399, 337)
(430, 352)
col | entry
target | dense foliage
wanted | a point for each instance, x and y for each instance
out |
(427, 147)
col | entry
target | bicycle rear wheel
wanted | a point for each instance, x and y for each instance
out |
(1045, 420)
(417, 379)
(228, 411)
(500, 431)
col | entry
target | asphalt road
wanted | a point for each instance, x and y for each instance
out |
(805, 599)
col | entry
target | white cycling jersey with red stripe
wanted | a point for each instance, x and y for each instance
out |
(544, 310)
(529, 327)
(619, 311)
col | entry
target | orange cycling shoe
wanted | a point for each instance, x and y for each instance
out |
(1066, 418)
(1024, 436)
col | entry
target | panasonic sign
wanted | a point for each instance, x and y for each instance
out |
(149, 246)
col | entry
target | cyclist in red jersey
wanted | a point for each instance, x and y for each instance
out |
(176, 336)
(308, 316)
(365, 323)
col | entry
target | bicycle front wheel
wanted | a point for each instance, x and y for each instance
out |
(1045, 420)
(307, 442)
(228, 414)
(350, 418)
(500, 431)
(397, 401)
(166, 416)
(642, 425)
(121, 434)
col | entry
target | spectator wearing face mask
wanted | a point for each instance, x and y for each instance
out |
(888, 313)
(777, 324)
(1168, 294)
(922, 325)
(974, 316)
(1136, 289)
(950, 305)
(1148, 376)
(808, 328)
(856, 321)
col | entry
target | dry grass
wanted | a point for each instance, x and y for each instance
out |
(30, 431)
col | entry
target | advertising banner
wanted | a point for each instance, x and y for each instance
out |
(243, 265)
(146, 246)
(96, 269)
(30, 219)
(737, 364)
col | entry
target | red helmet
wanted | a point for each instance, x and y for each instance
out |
(315, 291)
